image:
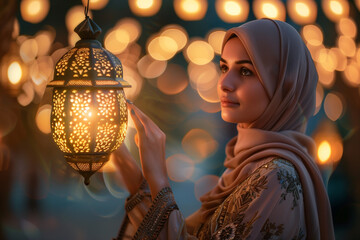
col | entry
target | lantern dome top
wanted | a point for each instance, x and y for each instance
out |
(88, 64)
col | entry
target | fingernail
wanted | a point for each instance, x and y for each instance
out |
(132, 111)
(128, 101)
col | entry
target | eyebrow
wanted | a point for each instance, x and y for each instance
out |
(238, 62)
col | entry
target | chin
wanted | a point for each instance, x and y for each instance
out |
(228, 118)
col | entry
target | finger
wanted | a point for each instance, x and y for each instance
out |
(142, 116)
(138, 124)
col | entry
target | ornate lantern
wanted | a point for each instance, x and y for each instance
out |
(89, 113)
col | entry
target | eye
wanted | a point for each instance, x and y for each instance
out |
(245, 71)
(223, 68)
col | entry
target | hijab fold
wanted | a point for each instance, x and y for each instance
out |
(288, 75)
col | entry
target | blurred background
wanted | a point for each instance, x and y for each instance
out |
(170, 52)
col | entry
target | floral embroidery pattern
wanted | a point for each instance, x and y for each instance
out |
(291, 184)
(271, 231)
(300, 235)
(229, 217)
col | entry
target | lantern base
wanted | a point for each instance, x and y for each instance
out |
(86, 164)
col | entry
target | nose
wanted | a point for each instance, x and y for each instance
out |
(227, 82)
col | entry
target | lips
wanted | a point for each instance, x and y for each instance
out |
(226, 102)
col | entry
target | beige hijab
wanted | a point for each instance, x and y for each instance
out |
(287, 72)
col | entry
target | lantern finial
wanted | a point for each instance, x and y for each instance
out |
(88, 29)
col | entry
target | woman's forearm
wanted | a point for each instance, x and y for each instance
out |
(129, 170)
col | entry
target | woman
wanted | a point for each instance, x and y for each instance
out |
(271, 188)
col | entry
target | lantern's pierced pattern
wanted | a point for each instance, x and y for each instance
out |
(89, 113)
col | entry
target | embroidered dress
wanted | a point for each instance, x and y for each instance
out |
(267, 205)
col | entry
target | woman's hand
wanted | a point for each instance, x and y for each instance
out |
(129, 170)
(151, 143)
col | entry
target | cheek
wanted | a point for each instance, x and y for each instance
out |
(256, 96)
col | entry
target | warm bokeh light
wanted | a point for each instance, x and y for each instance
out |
(203, 77)
(357, 2)
(199, 144)
(16, 29)
(41, 70)
(34, 11)
(190, 10)
(42, 118)
(352, 74)
(324, 151)
(204, 185)
(179, 167)
(326, 78)
(302, 11)
(151, 68)
(319, 97)
(232, 11)
(135, 80)
(74, 16)
(29, 50)
(162, 48)
(312, 34)
(209, 94)
(131, 26)
(315, 51)
(96, 4)
(347, 46)
(215, 39)
(347, 27)
(340, 59)
(333, 106)
(199, 52)
(145, 8)
(45, 40)
(173, 81)
(177, 33)
(73, 37)
(27, 95)
(335, 9)
(327, 59)
(273, 9)
(329, 144)
(117, 40)
(14, 73)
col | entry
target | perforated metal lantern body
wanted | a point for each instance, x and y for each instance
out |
(89, 113)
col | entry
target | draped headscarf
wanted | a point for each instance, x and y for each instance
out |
(288, 75)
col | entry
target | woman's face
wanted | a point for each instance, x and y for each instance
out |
(243, 98)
